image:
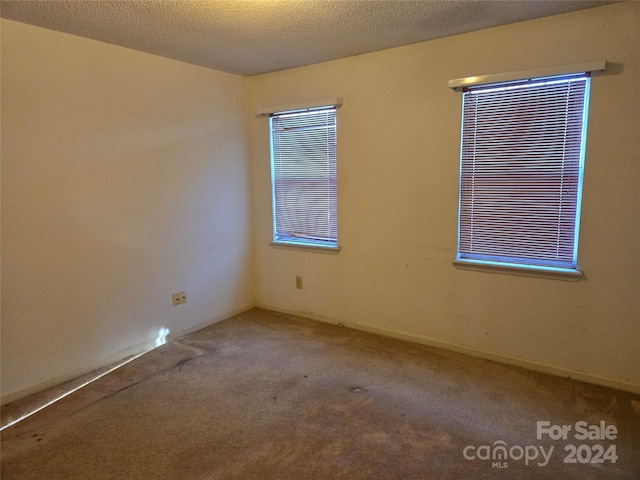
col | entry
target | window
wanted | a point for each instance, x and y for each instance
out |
(521, 164)
(303, 177)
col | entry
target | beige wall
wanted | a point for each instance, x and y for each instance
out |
(398, 146)
(124, 179)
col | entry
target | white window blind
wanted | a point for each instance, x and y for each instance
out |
(522, 154)
(303, 152)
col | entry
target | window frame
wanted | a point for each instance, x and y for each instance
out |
(278, 239)
(493, 263)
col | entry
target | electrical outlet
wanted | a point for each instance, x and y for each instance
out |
(298, 281)
(179, 298)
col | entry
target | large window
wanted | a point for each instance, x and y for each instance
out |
(303, 172)
(522, 156)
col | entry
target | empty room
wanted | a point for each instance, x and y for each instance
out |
(316, 239)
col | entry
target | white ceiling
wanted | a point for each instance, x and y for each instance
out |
(249, 37)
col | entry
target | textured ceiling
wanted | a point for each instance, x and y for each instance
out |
(249, 37)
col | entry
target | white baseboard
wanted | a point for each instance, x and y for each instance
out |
(199, 326)
(113, 359)
(78, 372)
(472, 351)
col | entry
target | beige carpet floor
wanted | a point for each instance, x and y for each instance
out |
(271, 396)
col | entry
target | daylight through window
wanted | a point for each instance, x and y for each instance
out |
(522, 155)
(303, 166)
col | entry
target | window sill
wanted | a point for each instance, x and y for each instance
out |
(310, 247)
(521, 270)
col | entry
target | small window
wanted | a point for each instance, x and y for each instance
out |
(522, 157)
(303, 176)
